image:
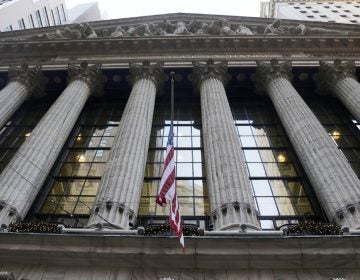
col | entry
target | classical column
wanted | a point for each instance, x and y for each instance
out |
(231, 201)
(23, 177)
(118, 199)
(335, 183)
(23, 82)
(340, 79)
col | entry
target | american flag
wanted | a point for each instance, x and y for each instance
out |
(168, 189)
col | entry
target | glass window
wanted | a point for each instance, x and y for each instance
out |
(190, 174)
(53, 17)
(21, 23)
(46, 16)
(38, 18)
(341, 127)
(58, 18)
(31, 21)
(72, 192)
(277, 181)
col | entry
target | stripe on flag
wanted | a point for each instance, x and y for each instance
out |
(168, 189)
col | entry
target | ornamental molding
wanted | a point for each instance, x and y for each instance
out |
(149, 71)
(331, 73)
(32, 78)
(208, 70)
(91, 75)
(267, 72)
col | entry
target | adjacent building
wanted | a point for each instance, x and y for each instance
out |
(340, 11)
(85, 13)
(267, 138)
(24, 14)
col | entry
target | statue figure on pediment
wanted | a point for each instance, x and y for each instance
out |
(220, 27)
(243, 30)
(75, 31)
(179, 28)
(203, 29)
(140, 30)
(275, 28)
(305, 30)
(118, 32)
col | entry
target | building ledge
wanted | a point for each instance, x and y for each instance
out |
(241, 251)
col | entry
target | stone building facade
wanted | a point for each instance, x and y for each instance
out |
(266, 135)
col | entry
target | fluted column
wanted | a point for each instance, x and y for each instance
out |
(118, 199)
(231, 200)
(340, 79)
(23, 82)
(334, 182)
(22, 179)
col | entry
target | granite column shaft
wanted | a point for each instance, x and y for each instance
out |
(339, 78)
(335, 183)
(118, 199)
(24, 82)
(23, 177)
(229, 186)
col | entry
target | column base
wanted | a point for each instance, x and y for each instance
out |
(235, 216)
(8, 214)
(348, 216)
(112, 215)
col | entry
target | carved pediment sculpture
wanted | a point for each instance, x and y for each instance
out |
(220, 26)
(276, 28)
(74, 31)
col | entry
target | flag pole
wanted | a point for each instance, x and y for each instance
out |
(172, 74)
(172, 116)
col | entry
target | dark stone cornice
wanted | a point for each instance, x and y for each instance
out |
(136, 48)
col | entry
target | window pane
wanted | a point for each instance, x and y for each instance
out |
(261, 187)
(184, 156)
(256, 169)
(201, 207)
(285, 206)
(267, 206)
(184, 170)
(252, 156)
(90, 187)
(184, 187)
(186, 206)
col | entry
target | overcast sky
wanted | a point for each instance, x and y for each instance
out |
(133, 8)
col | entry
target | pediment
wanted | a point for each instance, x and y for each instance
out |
(181, 24)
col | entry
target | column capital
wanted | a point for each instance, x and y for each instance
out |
(91, 75)
(266, 72)
(146, 70)
(32, 78)
(210, 69)
(329, 74)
